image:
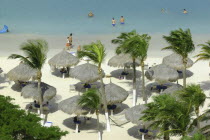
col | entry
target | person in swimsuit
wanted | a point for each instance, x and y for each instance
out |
(70, 40)
(162, 10)
(79, 48)
(67, 43)
(122, 20)
(113, 22)
(185, 11)
(90, 14)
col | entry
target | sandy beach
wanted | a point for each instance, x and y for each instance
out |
(9, 43)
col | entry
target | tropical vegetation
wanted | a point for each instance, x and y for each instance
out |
(136, 46)
(180, 42)
(205, 52)
(96, 52)
(177, 114)
(17, 124)
(35, 56)
(91, 100)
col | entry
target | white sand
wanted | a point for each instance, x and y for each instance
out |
(10, 44)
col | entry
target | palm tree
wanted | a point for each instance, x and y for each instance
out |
(170, 116)
(181, 43)
(136, 45)
(35, 57)
(96, 52)
(193, 94)
(204, 118)
(205, 52)
(91, 100)
(196, 136)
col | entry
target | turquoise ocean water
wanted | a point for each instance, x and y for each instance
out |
(61, 17)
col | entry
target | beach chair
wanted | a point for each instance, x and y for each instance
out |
(72, 87)
(119, 119)
(48, 124)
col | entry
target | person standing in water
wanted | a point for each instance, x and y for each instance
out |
(162, 10)
(90, 14)
(113, 22)
(122, 20)
(185, 11)
(70, 40)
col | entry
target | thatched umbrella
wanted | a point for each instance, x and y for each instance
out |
(31, 91)
(70, 106)
(175, 61)
(173, 89)
(122, 60)
(63, 59)
(86, 73)
(22, 72)
(115, 94)
(1, 70)
(133, 114)
(162, 73)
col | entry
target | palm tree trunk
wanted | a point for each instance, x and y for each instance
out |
(40, 95)
(166, 134)
(98, 126)
(197, 112)
(108, 127)
(184, 73)
(134, 82)
(143, 83)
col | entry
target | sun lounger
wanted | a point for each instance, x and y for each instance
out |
(119, 119)
(72, 87)
(48, 124)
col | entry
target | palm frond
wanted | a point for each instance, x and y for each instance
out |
(204, 53)
(180, 42)
(95, 51)
(35, 53)
(90, 99)
(22, 58)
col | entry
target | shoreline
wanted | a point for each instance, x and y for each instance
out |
(9, 43)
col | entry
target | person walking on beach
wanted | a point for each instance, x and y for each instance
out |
(70, 40)
(68, 44)
(122, 20)
(78, 48)
(113, 22)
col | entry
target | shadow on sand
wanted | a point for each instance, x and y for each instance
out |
(117, 73)
(89, 125)
(205, 85)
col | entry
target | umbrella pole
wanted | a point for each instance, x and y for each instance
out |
(77, 126)
(112, 112)
(63, 75)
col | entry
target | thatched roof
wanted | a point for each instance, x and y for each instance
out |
(122, 60)
(115, 94)
(173, 89)
(162, 73)
(22, 72)
(1, 70)
(86, 73)
(70, 106)
(133, 114)
(31, 91)
(175, 61)
(63, 59)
